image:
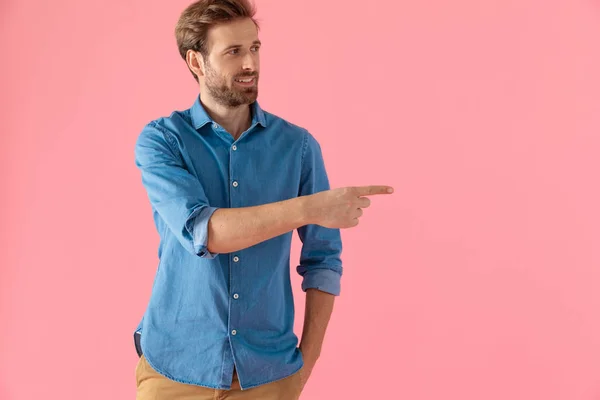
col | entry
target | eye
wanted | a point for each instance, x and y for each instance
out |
(255, 48)
(234, 51)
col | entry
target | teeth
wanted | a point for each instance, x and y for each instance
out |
(244, 80)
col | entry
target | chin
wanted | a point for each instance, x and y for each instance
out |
(251, 96)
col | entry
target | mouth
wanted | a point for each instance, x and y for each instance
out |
(246, 82)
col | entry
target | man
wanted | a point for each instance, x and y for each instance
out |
(228, 184)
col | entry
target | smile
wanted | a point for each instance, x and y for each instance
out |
(245, 81)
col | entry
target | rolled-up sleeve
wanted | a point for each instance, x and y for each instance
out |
(320, 257)
(175, 194)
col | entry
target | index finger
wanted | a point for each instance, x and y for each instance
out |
(373, 190)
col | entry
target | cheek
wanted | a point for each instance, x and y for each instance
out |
(227, 76)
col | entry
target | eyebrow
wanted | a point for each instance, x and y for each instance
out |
(237, 46)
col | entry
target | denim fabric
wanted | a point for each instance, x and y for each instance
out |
(208, 312)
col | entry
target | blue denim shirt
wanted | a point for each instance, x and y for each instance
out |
(208, 312)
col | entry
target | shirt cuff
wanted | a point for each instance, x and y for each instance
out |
(200, 232)
(325, 280)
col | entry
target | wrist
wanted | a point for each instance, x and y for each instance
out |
(307, 210)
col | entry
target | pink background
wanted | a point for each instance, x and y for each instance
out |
(478, 279)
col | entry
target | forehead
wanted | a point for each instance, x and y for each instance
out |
(239, 32)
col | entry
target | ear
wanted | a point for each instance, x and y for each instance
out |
(195, 62)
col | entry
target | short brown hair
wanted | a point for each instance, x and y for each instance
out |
(198, 17)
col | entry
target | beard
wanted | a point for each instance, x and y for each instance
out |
(227, 93)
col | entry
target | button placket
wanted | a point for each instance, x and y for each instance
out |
(235, 296)
(235, 259)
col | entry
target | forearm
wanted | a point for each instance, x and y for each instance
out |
(234, 229)
(318, 309)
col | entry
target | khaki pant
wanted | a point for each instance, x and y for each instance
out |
(153, 386)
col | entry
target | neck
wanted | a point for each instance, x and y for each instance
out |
(235, 120)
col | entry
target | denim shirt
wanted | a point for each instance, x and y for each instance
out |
(210, 312)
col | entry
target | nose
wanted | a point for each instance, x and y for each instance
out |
(250, 62)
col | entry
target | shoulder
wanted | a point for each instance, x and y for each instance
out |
(289, 129)
(165, 128)
(178, 121)
(161, 136)
(307, 144)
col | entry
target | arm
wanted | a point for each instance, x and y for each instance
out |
(320, 262)
(179, 199)
(234, 229)
(318, 309)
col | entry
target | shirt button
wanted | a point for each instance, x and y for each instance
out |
(236, 296)
(234, 147)
(235, 184)
(236, 259)
(215, 126)
(234, 332)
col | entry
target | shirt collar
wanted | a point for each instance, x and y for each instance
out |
(200, 117)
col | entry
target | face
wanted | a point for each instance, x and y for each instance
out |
(231, 67)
